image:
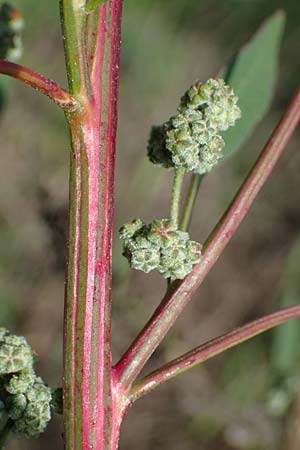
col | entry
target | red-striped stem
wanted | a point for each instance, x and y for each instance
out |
(93, 406)
(39, 82)
(176, 299)
(210, 349)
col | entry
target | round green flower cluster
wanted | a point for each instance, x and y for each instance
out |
(24, 397)
(192, 139)
(159, 246)
(28, 404)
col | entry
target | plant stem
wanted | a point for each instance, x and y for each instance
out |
(177, 299)
(194, 186)
(93, 405)
(210, 349)
(176, 194)
(74, 20)
(39, 82)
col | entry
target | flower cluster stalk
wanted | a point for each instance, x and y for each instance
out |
(176, 194)
(190, 202)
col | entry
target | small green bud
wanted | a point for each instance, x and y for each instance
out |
(34, 417)
(173, 263)
(194, 251)
(141, 253)
(163, 233)
(129, 230)
(145, 259)
(197, 96)
(177, 260)
(18, 384)
(210, 154)
(15, 353)
(188, 158)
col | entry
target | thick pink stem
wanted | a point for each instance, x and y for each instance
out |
(94, 407)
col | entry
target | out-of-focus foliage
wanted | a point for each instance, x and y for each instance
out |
(253, 75)
(11, 24)
(285, 356)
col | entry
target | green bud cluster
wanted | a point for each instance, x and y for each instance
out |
(192, 139)
(24, 397)
(159, 246)
(28, 404)
(11, 24)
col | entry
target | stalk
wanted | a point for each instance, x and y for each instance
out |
(211, 349)
(190, 202)
(39, 82)
(93, 406)
(176, 194)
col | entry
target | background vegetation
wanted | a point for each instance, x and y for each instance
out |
(246, 400)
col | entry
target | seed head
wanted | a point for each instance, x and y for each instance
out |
(192, 139)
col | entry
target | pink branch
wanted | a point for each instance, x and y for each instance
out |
(42, 84)
(175, 301)
(210, 349)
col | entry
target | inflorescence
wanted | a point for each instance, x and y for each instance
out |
(25, 400)
(191, 139)
(159, 246)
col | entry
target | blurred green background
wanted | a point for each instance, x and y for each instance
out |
(247, 399)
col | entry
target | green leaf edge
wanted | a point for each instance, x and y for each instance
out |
(273, 25)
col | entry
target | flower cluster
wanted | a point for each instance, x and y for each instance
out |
(192, 139)
(24, 397)
(11, 24)
(159, 246)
